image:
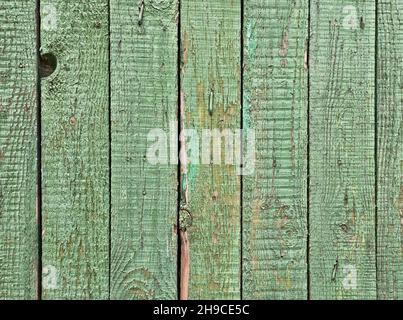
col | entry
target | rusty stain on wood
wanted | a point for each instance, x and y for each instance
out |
(184, 265)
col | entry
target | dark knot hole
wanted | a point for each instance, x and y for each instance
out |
(47, 65)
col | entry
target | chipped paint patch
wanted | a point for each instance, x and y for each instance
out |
(350, 20)
(49, 17)
(350, 277)
(251, 43)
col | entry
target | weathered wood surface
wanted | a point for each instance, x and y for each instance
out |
(390, 149)
(322, 206)
(275, 106)
(210, 99)
(18, 114)
(75, 171)
(342, 150)
(143, 105)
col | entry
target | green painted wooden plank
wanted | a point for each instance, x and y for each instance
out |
(75, 172)
(342, 139)
(18, 109)
(210, 90)
(144, 186)
(390, 149)
(275, 106)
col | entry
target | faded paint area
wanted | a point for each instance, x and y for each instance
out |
(251, 42)
(201, 106)
(211, 80)
(185, 49)
(49, 17)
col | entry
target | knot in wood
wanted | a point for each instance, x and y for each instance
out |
(185, 219)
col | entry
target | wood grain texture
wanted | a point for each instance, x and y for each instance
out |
(275, 106)
(390, 149)
(342, 169)
(75, 173)
(144, 195)
(211, 88)
(18, 110)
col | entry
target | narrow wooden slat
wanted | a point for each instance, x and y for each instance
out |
(342, 141)
(390, 149)
(275, 106)
(18, 109)
(75, 174)
(210, 90)
(144, 105)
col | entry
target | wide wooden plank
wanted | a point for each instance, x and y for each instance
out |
(210, 99)
(275, 107)
(390, 149)
(144, 170)
(75, 172)
(342, 150)
(18, 114)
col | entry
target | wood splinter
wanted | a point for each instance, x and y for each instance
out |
(335, 268)
(211, 101)
(141, 12)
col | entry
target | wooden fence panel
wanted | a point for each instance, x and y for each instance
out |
(310, 207)
(210, 99)
(18, 156)
(390, 149)
(275, 107)
(75, 172)
(144, 141)
(342, 150)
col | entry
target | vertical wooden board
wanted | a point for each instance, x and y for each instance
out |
(275, 107)
(342, 150)
(18, 69)
(210, 94)
(144, 184)
(390, 149)
(75, 170)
